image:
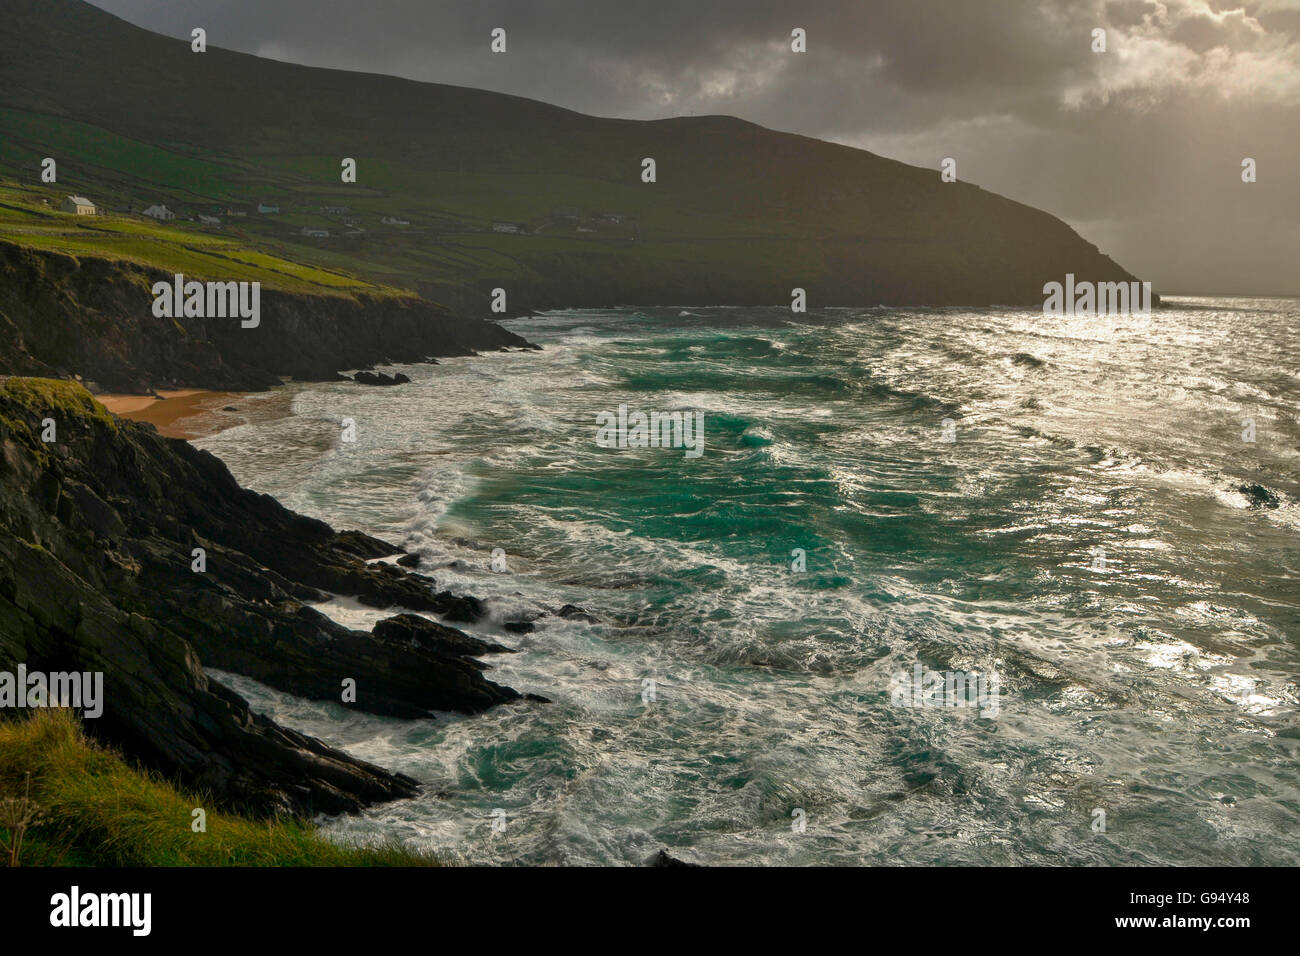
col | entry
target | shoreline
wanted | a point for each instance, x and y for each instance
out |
(176, 413)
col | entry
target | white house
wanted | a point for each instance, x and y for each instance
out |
(78, 204)
(160, 212)
(507, 227)
(209, 220)
(395, 221)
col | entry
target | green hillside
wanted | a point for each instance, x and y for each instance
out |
(30, 216)
(738, 214)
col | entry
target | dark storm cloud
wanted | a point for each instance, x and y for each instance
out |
(1140, 147)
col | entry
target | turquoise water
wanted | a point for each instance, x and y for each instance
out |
(1082, 535)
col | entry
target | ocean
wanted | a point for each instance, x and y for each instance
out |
(1102, 514)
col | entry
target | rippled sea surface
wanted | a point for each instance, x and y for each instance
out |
(1085, 535)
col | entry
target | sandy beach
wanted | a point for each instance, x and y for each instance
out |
(179, 413)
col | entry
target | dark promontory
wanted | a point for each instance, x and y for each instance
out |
(98, 533)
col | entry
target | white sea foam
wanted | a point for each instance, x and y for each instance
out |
(771, 684)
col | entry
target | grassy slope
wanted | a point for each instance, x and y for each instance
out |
(136, 118)
(96, 810)
(449, 241)
(29, 216)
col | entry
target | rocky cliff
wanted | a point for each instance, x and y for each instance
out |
(62, 316)
(98, 534)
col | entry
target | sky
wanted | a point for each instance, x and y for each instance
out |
(1140, 148)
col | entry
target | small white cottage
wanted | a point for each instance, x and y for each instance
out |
(78, 204)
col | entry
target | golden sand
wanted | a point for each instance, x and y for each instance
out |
(178, 414)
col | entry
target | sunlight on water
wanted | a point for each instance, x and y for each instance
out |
(1091, 524)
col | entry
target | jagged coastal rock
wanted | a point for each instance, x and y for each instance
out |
(665, 860)
(380, 378)
(98, 536)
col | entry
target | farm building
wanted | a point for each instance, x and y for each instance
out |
(315, 233)
(209, 220)
(395, 221)
(507, 227)
(160, 212)
(264, 209)
(78, 204)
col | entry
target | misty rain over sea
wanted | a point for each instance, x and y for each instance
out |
(1100, 513)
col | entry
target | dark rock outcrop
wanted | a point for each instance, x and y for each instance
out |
(575, 613)
(663, 859)
(380, 378)
(99, 534)
(1260, 496)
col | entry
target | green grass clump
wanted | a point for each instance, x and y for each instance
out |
(46, 396)
(75, 803)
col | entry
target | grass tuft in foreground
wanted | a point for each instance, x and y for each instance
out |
(46, 395)
(65, 800)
